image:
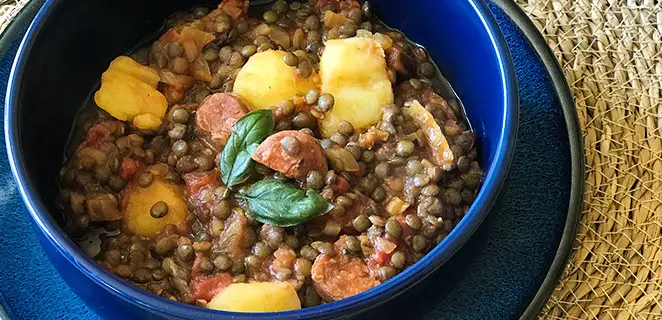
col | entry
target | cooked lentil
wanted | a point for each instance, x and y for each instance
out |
(398, 260)
(159, 210)
(325, 102)
(291, 59)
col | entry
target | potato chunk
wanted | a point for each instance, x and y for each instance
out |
(265, 80)
(140, 200)
(147, 121)
(354, 71)
(256, 297)
(128, 66)
(443, 155)
(128, 91)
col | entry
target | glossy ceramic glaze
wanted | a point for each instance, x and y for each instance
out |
(71, 42)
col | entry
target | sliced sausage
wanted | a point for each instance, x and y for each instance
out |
(218, 113)
(341, 276)
(293, 153)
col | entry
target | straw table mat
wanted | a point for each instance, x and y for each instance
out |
(611, 54)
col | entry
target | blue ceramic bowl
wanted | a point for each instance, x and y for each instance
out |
(69, 45)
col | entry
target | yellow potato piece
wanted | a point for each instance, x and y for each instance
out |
(128, 89)
(137, 217)
(147, 121)
(353, 70)
(265, 80)
(129, 66)
(442, 152)
(256, 297)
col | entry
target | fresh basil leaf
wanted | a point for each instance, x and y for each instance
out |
(252, 147)
(283, 205)
(236, 164)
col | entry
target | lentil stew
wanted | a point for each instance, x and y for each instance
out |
(301, 152)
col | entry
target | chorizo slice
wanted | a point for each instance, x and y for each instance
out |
(218, 113)
(291, 152)
(341, 276)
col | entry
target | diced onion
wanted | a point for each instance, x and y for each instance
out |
(384, 245)
(176, 80)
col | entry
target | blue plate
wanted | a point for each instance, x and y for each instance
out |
(507, 270)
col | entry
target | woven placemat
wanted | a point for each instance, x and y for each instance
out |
(8, 10)
(611, 54)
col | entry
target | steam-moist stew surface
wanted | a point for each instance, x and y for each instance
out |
(302, 153)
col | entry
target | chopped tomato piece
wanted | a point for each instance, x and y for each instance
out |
(98, 132)
(195, 181)
(341, 186)
(380, 257)
(128, 168)
(406, 230)
(206, 287)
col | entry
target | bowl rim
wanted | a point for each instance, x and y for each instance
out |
(130, 294)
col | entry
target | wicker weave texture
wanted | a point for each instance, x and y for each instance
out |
(611, 54)
(8, 10)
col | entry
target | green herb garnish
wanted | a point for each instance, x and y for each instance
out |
(236, 164)
(283, 205)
